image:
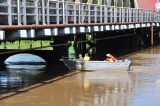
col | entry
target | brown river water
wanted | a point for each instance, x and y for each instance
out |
(138, 87)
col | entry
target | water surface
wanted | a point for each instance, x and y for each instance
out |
(138, 87)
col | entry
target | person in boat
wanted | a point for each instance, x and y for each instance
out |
(80, 57)
(110, 58)
(86, 57)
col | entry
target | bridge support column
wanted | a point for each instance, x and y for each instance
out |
(101, 46)
(91, 47)
(58, 49)
(80, 44)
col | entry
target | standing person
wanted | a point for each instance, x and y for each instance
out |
(110, 58)
(86, 57)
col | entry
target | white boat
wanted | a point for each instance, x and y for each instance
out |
(96, 65)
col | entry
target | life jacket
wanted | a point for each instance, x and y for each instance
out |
(113, 58)
(87, 58)
(109, 60)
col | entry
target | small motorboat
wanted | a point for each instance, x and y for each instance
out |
(96, 65)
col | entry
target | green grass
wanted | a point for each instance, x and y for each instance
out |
(26, 44)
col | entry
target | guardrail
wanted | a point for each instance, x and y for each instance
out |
(28, 12)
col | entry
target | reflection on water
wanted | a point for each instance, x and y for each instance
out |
(18, 76)
(21, 71)
(30, 68)
(24, 58)
(106, 88)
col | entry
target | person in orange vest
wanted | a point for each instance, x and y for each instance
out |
(110, 58)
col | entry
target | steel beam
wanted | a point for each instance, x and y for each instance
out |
(17, 27)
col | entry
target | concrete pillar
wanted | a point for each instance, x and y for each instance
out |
(75, 45)
(101, 46)
(92, 46)
(80, 44)
(59, 49)
(83, 44)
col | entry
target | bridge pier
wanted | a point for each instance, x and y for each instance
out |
(80, 44)
(58, 49)
(91, 45)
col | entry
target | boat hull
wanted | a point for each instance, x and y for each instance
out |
(97, 65)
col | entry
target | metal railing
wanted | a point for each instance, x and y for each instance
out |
(58, 12)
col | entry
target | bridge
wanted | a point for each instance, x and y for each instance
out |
(131, 23)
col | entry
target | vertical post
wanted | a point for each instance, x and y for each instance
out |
(89, 13)
(82, 14)
(18, 12)
(36, 12)
(152, 33)
(95, 13)
(48, 15)
(79, 12)
(57, 11)
(9, 12)
(63, 12)
(43, 12)
(75, 14)
(105, 13)
(101, 12)
(66, 12)
(24, 12)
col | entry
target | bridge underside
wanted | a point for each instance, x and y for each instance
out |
(118, 42)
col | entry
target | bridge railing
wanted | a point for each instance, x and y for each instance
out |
(57, 12)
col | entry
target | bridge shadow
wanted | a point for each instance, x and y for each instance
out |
(48, 76)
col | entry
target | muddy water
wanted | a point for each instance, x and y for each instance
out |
(138, 87)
